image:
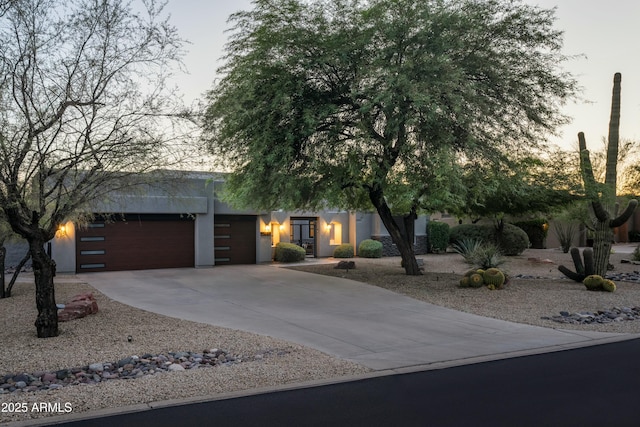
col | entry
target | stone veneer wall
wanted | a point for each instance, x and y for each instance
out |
(389, 249)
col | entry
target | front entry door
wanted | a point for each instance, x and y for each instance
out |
(303, 233)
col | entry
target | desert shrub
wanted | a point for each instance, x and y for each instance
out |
(636, 253)
(438, 233)
(536, 230)
(481, 232)
(343, 251)
(466, 248)
(288, 252)
(565, 234)
(370, 249)
(488, 255)
(512, 240)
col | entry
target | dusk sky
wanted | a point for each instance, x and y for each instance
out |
(607, 33)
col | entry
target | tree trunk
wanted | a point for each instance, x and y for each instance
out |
(405, 248)
(410, 229)
(3, 256)
(43, 271)
(17, 271)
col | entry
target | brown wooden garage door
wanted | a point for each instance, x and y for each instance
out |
(234, 239)
(138, 242)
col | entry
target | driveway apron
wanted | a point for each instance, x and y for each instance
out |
(354, 321)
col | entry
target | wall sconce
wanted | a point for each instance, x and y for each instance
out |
(266, 231)
(328, 226)
(61, 232)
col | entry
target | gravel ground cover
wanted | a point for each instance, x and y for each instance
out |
(522, 300)
(103, 337)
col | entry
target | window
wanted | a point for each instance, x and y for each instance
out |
(335, 234)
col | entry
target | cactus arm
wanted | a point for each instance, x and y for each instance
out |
(586, 169)
(599, 211)
(582, 270)
(614, 133)
(577, 262)
(589, 266)
(570, 274)
(624, 216)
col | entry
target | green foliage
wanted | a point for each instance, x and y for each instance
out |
(467, 248)
(512, 240)
(343, 251)
(471, 232)
(370, 249)
(488, 256)
(536, 230)
(438, 233)
(522, 186)
(362, 104)
(289, 252)
(636, 253)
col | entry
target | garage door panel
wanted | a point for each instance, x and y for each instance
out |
(234, 239)
(136, 245)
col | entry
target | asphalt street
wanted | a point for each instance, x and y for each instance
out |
(591, 386)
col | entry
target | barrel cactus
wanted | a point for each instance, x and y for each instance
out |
(593, 282)
(464, 282)
(476, 280)
(493, 277)
(609, 285)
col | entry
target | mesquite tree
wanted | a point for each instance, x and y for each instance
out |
(602, 196)
(83, 111)
(369, 104)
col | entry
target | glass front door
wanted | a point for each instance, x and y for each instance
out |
(303, 234)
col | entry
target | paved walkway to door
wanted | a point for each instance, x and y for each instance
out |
(348, 319)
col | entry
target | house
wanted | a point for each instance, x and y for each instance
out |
(188, 226)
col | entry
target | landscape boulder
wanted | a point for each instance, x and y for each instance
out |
(345, 265)
(80, 306)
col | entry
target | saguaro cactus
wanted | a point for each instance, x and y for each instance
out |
(603, 196)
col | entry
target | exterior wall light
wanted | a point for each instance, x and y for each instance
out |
(62, 231)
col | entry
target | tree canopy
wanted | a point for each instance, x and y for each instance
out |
(521, 187)
(380, 103)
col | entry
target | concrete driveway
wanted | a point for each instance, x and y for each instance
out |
(348, 319)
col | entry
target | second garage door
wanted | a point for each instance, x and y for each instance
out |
(235, 239)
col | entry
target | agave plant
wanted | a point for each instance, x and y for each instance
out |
(487, 256)
(467, 248)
